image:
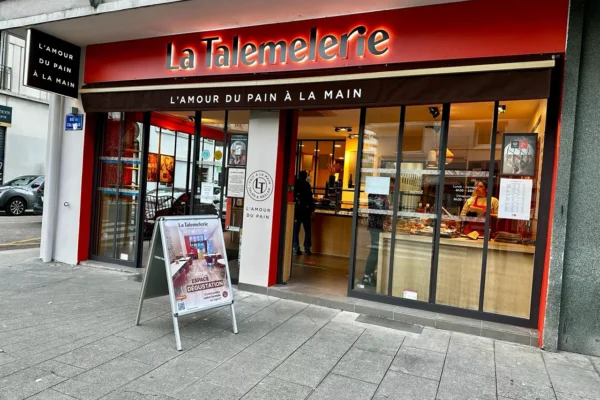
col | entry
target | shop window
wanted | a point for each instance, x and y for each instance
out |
(118, 187)
(377, 186)
(511, 248)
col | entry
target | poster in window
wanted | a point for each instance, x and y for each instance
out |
(167, 168)
(519, 154)
(238, 149)
(152, 167)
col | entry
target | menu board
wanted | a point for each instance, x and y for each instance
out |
(515, 199)
(207, 193)
(236, 179)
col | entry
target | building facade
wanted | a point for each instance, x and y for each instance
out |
(23, 144)
(432, 140)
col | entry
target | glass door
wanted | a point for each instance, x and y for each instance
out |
(118, 188)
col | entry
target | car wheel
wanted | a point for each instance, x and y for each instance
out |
(15, 207)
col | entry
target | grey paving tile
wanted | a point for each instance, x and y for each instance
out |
(505, 328)
(51, 394)
(26, 383)
(430, 339)
(242, 371)
(60, 369)
(155, 353)
(575, 381)
(478, 342)
(203, 390)
(459, 385)
(471, 360)
(281, 343)
(341, 387)
(364, 365)
(259, 300)
(84, 390)
(596, 363)
(276, 389)
(97, 353)
(330, 342)
(348, 327)
(306, 367)
(567, 396)
(243, 310)
(123, 394)
(216, 349)
(148, 331)
(6, 358)
(418, 362)
(170, 377)
(399, 386)
(521, 389)
(570, 359)
(118, 372)
(520, 357)
(382, 341)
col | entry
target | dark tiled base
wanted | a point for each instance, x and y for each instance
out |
(406, 315)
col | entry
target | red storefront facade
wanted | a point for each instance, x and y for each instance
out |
(465, 54)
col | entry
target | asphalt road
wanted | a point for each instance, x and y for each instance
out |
(20, 232)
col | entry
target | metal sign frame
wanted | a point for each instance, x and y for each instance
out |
(151, 273)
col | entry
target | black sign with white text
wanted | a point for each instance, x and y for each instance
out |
(51, 64)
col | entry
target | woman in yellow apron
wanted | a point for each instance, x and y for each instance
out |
(476, 206)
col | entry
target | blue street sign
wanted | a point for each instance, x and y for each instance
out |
(74, 122)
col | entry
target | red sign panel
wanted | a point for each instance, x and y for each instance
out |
(463, 30)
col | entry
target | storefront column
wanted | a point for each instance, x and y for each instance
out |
(51, 185)
(259, 199)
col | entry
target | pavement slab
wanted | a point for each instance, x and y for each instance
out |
(67, 333)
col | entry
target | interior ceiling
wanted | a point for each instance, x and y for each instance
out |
(203, 15)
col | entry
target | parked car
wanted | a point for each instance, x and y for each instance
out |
(20, 194)
(38, 207)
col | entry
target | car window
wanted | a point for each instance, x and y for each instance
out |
(21, 181)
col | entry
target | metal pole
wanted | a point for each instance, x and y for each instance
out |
(51, 185)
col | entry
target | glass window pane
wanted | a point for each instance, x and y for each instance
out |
(417, 196)
(377, 186)
(509, 271)
(464, 207)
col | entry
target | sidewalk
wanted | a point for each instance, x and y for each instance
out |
(67, 333)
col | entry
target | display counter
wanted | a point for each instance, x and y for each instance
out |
(331, 233)
(509, 272)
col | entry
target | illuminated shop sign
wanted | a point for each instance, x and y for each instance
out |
(358, 42)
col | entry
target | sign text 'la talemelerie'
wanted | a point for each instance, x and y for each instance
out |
(358, 42)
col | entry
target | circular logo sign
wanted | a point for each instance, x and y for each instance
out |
(259, 186)
(218, 155)
(225, 294)
(205, 155)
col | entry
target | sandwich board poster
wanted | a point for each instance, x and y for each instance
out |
(188, 263)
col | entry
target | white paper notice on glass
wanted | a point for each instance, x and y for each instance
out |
(207, 193)
(515, 199)
(377, 185)
(236, 179)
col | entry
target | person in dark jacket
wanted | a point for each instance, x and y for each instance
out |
(305, 205)
(375, 227)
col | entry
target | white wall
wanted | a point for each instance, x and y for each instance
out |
(263, 136)
(26, 138)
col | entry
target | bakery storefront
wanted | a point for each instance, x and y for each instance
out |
(429, 149)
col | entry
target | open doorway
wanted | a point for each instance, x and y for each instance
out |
(326, 154)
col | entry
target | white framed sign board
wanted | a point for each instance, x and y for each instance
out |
(189, 264)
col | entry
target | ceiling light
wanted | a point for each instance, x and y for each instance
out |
(352, 136)
(191, 118)
(501, 109)
(338, 145)
(330, 154)
(434, 111)
(343, 129)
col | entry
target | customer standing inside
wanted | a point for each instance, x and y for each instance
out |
(305, 205)
(376, 221)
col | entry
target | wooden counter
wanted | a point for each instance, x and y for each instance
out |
(331, 234)
(509, 273)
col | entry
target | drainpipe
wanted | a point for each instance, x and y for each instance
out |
(51, 185)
